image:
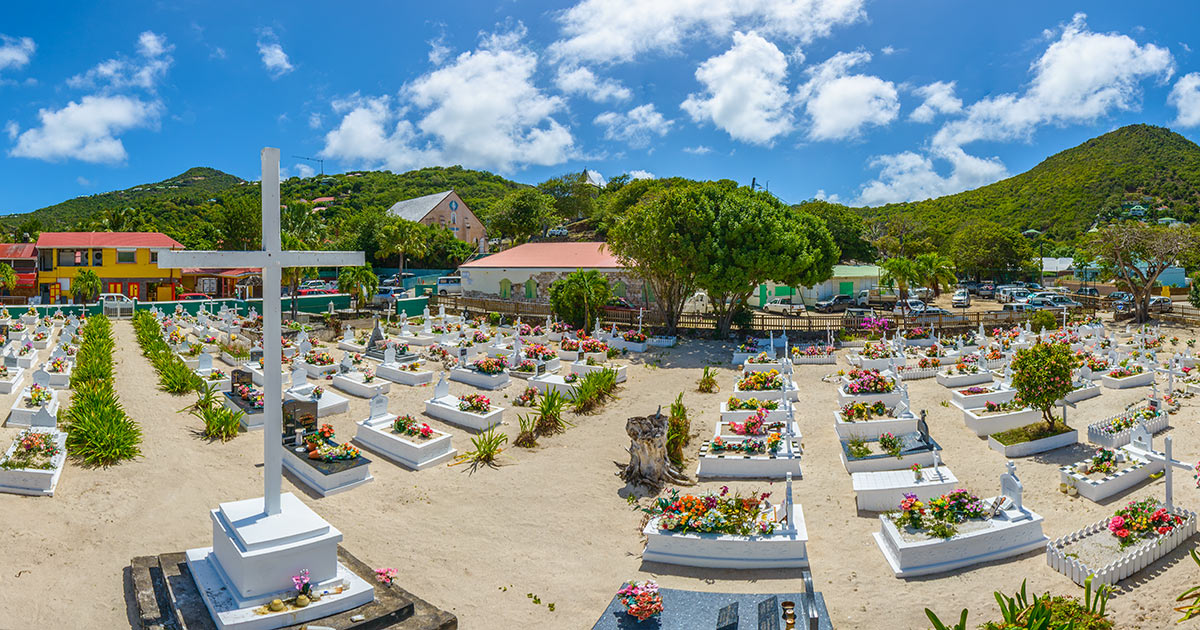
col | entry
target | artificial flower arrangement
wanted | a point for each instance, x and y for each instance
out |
(890, 444)
(399, 346)
(527, 330)
(540, 352)
(38, 396)
(210, 339)
(474, 403)
(761, 357)
(356, 358)
(974, 390)
(317, 392)
(591, 361)
(966, 365)
(994, 354)
(32, 312)
(3, 371)
(326, 432)
(755, 425)
(1094, 363)
(641, 599)
(749, 446)
(193, 351)
(25, 349)
(916, 471)
(569, 345)
(526, 398)
(928, 362)
(861, 381)
(250, 395)
(490, 365)
(1103, 462)
(176, 337)
(593, 345)
(714, 513)
(414, 366)
(633, 336)
(285, 342)
(750, 345)
(737, 404)
(854, 412)
(1125, 369)
(4, 314)
(481, 337)
(815, 350)
(216, 375)
(1004, 407)
(334, 452)
(919, 332)
(40, 335)
(559, 327)
(318, 358)
(1142, 520)
(439, 352)
(439, 329)
(760, 381)
(368, 375)
(571, 378)
(407, 425)
(35, 451)
(57, 365)
(526, 366)
(1127, 420)
(935, 351)
(879, 350)
(941, 515)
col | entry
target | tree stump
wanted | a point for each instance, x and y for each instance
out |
(649, 465)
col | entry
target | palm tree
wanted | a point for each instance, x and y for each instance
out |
(936, 272)
(901, 273)
(85, 286)
(360, 282)
(8, 276)
(400, 237)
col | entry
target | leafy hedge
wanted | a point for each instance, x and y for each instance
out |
(174, 376)
(98, 430)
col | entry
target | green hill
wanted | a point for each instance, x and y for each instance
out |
(1066, 193)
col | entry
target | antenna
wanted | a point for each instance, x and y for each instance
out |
(317, 160)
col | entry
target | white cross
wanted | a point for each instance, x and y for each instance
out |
(1168, 465)
(271, 259)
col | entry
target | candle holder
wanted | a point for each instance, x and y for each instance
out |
(789, 615)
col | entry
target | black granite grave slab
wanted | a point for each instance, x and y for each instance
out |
(334, 467)
(693, 610)
(245, 406)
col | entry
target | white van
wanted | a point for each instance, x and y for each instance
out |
(449, 285)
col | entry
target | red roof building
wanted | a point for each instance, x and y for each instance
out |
(127, 263)
(527, 271)
(583, 255)
(93, 240)
(22, 257)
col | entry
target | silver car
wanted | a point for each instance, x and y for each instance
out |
(961, 299)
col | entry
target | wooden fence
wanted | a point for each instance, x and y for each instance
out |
(808, 325)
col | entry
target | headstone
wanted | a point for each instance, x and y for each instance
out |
(43, 418)
(442, 389)
(425, 312)
(10, 360)
(302, 337)
(1011, 488)
(389, 354)
(379, 406)
(205, 362)
(299, 414)
(727, 617)
(41, 378)
(303, 348)
(348, 335)
(1140, 438)
(256, 353)
(768, 614)
(299, 378)
(241, 377)
(347, 364)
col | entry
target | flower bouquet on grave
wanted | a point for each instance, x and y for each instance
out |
(209, 339)
(633, 336)
(317, 392)
(215, 375)
(176, 337)
(481, 337)
(193, 351)
(754, 425)
(3, 371)
(737, 404)
(438, 329)
(877, 351)
(994, 354)
(761, 357)
(748, 446)
(4, 314)
(1103, 462)
(868, 382)
(760, 381)
(815, 350)
(526, 366)
(974, 390)
(285, 342)
(1005, 407)
(593, 345)
(569, 345)
(750, 345)
(490, 365)
(918, 476)
(641, 599)
(917, 333)
(527, 397)
(32, 312)
(38, 396)
(368, 375)
(967, 365)
(571, 378)
(356, 359)
(540, 351)
(326, 432)
(1125, 369)
(318, 358)
(739, 515)
(57, 365)
(559, 327)
(854, 412)
(474, 403)
(415, 366)
(407, 425)
(47, 321)
(935, 351)
(1142, 520)
(1126, 421)
(34, 450)
(439, 352)
(927, 362)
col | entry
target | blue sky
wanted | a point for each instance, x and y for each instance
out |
(853, 100)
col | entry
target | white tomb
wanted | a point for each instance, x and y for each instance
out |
(22, 414)
(444, 407)
(328, 403)
(376, 434)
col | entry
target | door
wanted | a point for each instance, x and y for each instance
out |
(846, 288)
(134, 289)
(114, 287)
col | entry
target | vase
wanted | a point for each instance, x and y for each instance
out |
(276, 605)
(314, 454)
(301, 601)
(1072, 491)
(1062, 487)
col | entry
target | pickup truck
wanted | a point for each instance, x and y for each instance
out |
(835, 303)
(872, 297)
(784, 307)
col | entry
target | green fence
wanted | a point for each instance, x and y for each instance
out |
(304, 304)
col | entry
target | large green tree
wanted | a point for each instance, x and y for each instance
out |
(360, 282)
(85, 286)
(1135, 254)
(986, 248)
(578, 298)
(8, 276)
(935, 271)
(847, 228)
(574, 196)
(1042, 376)
(902, 273)
(522, 213)
(401, 238)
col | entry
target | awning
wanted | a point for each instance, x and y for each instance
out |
(27, 279)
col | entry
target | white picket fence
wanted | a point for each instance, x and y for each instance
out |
(916, 374)
(1096, 436)
(828, 359)
(1131, 561)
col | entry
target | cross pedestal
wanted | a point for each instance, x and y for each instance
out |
(260, 543)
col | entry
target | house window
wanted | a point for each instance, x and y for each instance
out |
(154, 257)
(453, 217)
(98, 258)
(126, 256)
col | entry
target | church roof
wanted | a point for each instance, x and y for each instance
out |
(416, 209)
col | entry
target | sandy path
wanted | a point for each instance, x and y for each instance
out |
(552, 521)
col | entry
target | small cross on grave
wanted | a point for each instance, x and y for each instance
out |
(1011, 489)
(639, 320)
(1169, 465)
(205, 362)
(1171, 370)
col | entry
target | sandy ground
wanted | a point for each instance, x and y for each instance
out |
(552, 521)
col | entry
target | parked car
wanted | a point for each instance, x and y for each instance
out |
(922, 293)
(858, 314)
(303, 292)
(1064, 301)
(911, 305)
(1043, 303)
(987, 290)
(449, 285)
(395, 279)
(193, 296)
(971, 286)
(1002, 292)
(961, 299)
(1016, 307)
(784, 306)
(389, 295)
(1087, 291)
(1120, 296)
(870, 297)
(114, 297)
(838, 302)
(558, 231)
(1033, 286)
(1161, 303)
(314, 284)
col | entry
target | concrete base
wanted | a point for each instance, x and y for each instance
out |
(21, 416)
(553, 382)
(12, 383)
(1023, 449)
(882, 491)
(1010, 534)
(35, 481)
(1137, 380)
(985, 424)
(582, 369)
(446, 409)
(353, 384)
(393, 373)
(377, 435)
(329, 404)
(725, 551)
(325, 483)
(479, 379)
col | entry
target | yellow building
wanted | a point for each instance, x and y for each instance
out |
(127, 263)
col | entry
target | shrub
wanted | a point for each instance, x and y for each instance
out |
(98, 431)
(488, 446)
(1042, 320)
(1042, 375)
(549, 413)
(708, 382)
(220, 422)
(593, 390)
(578, 298)
(527, 437)
(679, 429)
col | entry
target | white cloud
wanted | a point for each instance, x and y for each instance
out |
(512, 127)
(83, 181)
(697, 150)
(85, 130)
(839, 105)
(438, 50)
(888, 50)
(834, 198)
(939, 99)
(314, 120)
(217, 53)
(143, 71)
(636, 127)
(584, 81)
(1185, 97)
(12, 129)
(621, 30)
(304, 170)
(1080, 78)
(274, 59)
(744, 91)
(640, 174)
(15, 52)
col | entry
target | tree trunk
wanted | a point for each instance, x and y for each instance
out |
(649, 465)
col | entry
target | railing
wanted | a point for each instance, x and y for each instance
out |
(808, 324)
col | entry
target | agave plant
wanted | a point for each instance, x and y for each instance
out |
(527, 436)
(549, 413)
(679, 428)
(488, 446)
(708, 382)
